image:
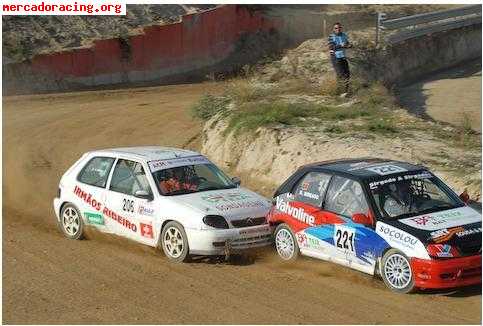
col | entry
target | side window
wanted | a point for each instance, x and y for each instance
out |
(311, 188)
(129, 177)
(346, 197)
(96, 171)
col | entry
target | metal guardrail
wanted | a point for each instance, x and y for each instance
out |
(427, 23)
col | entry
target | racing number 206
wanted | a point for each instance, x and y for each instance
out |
(128, 205)
(344, 238)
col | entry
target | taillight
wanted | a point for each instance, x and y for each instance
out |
(442, 251)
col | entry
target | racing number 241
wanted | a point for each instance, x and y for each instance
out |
(345, 239)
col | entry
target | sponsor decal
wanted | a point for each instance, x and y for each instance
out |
(87, 197)
(386, 169)
(422, 220)
(313, 242)
(398, 236)
(246, 204)
(465, 233)
(172, 163)
(358, 165)
(302, 239)
(445, 219)
(106, 212)
(305, 186)
(146, 230)
(226, 197)
(142, 210)
(296, 212)
(445, 234)
(232, 200)
(443, 250)
(309, 195)
(375, 184)
(378, 183)
(119, 219)
(94, 218)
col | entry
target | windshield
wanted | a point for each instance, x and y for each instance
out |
(191, 178)
(410, 195)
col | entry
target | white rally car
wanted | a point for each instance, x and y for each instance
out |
(162, 197)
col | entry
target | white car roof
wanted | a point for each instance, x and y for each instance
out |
(147, 153)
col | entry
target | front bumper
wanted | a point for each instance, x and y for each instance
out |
(222, 242)
(448, 273)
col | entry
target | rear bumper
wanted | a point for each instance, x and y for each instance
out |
(57, 204)
(448, 273)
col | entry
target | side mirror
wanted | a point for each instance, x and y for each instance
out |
(143, 194)
(236, 180)
(361, 219)
(465, 197)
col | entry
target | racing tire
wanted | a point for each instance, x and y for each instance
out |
(71, 223)
(286, 243)
(174, 242)
(396, 272)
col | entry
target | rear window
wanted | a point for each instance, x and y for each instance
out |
(96, 171)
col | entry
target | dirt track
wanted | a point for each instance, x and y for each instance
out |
(450, 95)
(49, 279)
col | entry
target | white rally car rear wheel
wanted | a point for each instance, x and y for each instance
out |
(71, 222)
(175, 242)
(396, 271)
(285, 243)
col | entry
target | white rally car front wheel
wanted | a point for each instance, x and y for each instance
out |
(396, 272)
(175, 242)
(286, 243)
(71, 222)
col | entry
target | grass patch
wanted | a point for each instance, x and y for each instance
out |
(254, 115)
(334, 129)
(209, 105)
(382, 126)
(242, 90)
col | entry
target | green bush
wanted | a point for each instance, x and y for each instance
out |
(209, 105)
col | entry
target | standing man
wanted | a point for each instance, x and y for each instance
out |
(338, 42)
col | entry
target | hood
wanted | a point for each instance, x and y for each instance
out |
(232, 204)
(459, 226)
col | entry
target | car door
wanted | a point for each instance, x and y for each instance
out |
(301, 208)
(127, 213)
(90, 190)
(354, 244)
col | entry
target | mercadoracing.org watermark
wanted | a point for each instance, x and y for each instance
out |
(63, 7)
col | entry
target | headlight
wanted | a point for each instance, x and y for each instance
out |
(215, 221)
(442, 251)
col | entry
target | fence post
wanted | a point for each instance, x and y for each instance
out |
(380, 18)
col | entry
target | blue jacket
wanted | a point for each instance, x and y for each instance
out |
(335, 43)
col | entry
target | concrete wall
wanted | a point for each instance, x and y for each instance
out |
(406, 62)
(199, 41)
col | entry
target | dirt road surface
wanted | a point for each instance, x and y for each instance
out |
(105, 279)
(451, 96)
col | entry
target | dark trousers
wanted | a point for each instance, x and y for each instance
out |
(341, 67)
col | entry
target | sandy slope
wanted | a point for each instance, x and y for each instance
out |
(49, 279)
